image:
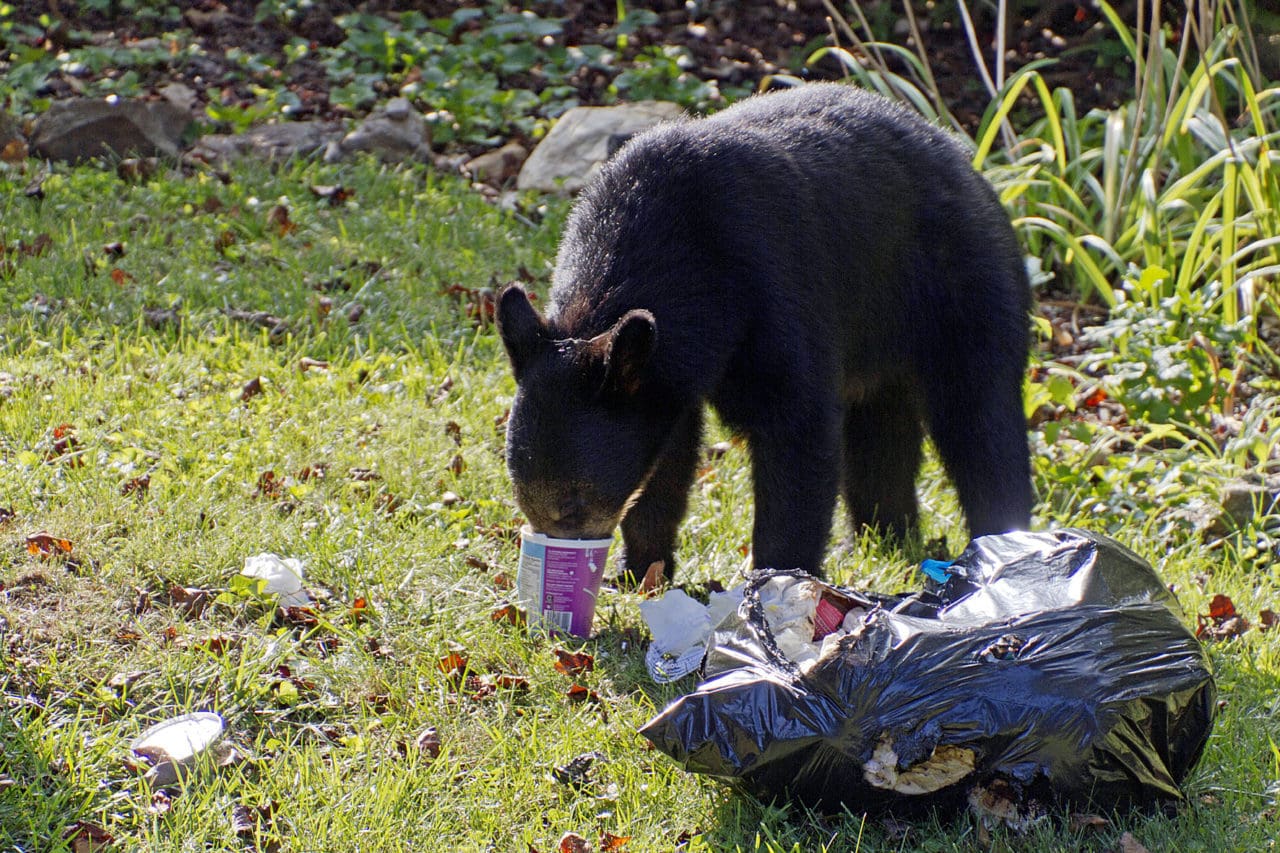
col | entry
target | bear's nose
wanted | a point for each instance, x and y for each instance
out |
(571, 508)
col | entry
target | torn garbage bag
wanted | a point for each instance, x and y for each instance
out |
(1055, 665)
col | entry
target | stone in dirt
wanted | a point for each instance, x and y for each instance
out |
(583, 139)
(273, 143)
(82, 129)
(498, 166)
(395, 133)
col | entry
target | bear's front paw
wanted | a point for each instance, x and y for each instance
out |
(644, 575)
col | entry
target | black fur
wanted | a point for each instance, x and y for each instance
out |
(824, 268)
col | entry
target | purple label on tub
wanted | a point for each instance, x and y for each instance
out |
(559, 585)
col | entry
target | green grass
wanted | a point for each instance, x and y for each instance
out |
(328, 743)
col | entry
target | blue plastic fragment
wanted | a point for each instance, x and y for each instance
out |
(937, 569)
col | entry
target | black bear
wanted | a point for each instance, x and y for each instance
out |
(824, 268)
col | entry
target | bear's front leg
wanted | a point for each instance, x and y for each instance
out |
(650, 525)
(795, 461)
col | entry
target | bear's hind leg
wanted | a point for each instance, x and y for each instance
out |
(882, 438)
(979, 427)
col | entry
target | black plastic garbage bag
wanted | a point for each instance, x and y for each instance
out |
(1049, 668)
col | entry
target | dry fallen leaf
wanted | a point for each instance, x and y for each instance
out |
(1129, 844)
(654, 576)
(251, 389)
(428, 743)
(509, 613)
(454, 666)
(1223, 622)
(335, 194)
(571, 842)
(1081, 822)
(85, 837)
(138, 486)
(47, 545)
(573, 663)
(278, 219)
(1267, 619)
(609, 841)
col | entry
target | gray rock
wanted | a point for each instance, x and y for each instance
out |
(12, 145)
(498, 166)
(273, 143)
(396, 133)
(1240, 502)
(583, 139)
(82, 129)
(180, 95)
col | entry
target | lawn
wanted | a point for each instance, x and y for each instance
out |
(197, 367)
(187, 383)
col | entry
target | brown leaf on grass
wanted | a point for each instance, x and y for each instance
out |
(572, 842)
(306, 363)
(6, 515)
(114, 250)
(120, 277)
(363, 475)
(359, 608)
(1129, 844)
(64, 443)
(507, 681)
(298, 617)
(138, 486)
(1221, 607)
(217, 644)
(1080, 822)
(454, 430)
(654, 577)
(457, 464)
(577, 772)
(123, 680)
(428, 743)
(250, 823)
(270, 486)
(317, 471)
(161, 318)
(573, 663)
(335, 194)
(278, 220)
(509, 613)
(502, 581)
(36, 247)
(1223, 622)
(225, 240)
(35, 188)
(83, 837)
(609, 841)
(161, 803)
(1267, 619)
(454, 666)
(251, 389)
(478, 302)
(192, 601)
(46, 545)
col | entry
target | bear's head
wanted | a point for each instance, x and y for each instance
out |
(585, 429)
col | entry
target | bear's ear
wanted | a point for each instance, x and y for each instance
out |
(522, 330)
(628, 347)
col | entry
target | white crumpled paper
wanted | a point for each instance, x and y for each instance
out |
(283, 577)
(681, 628)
